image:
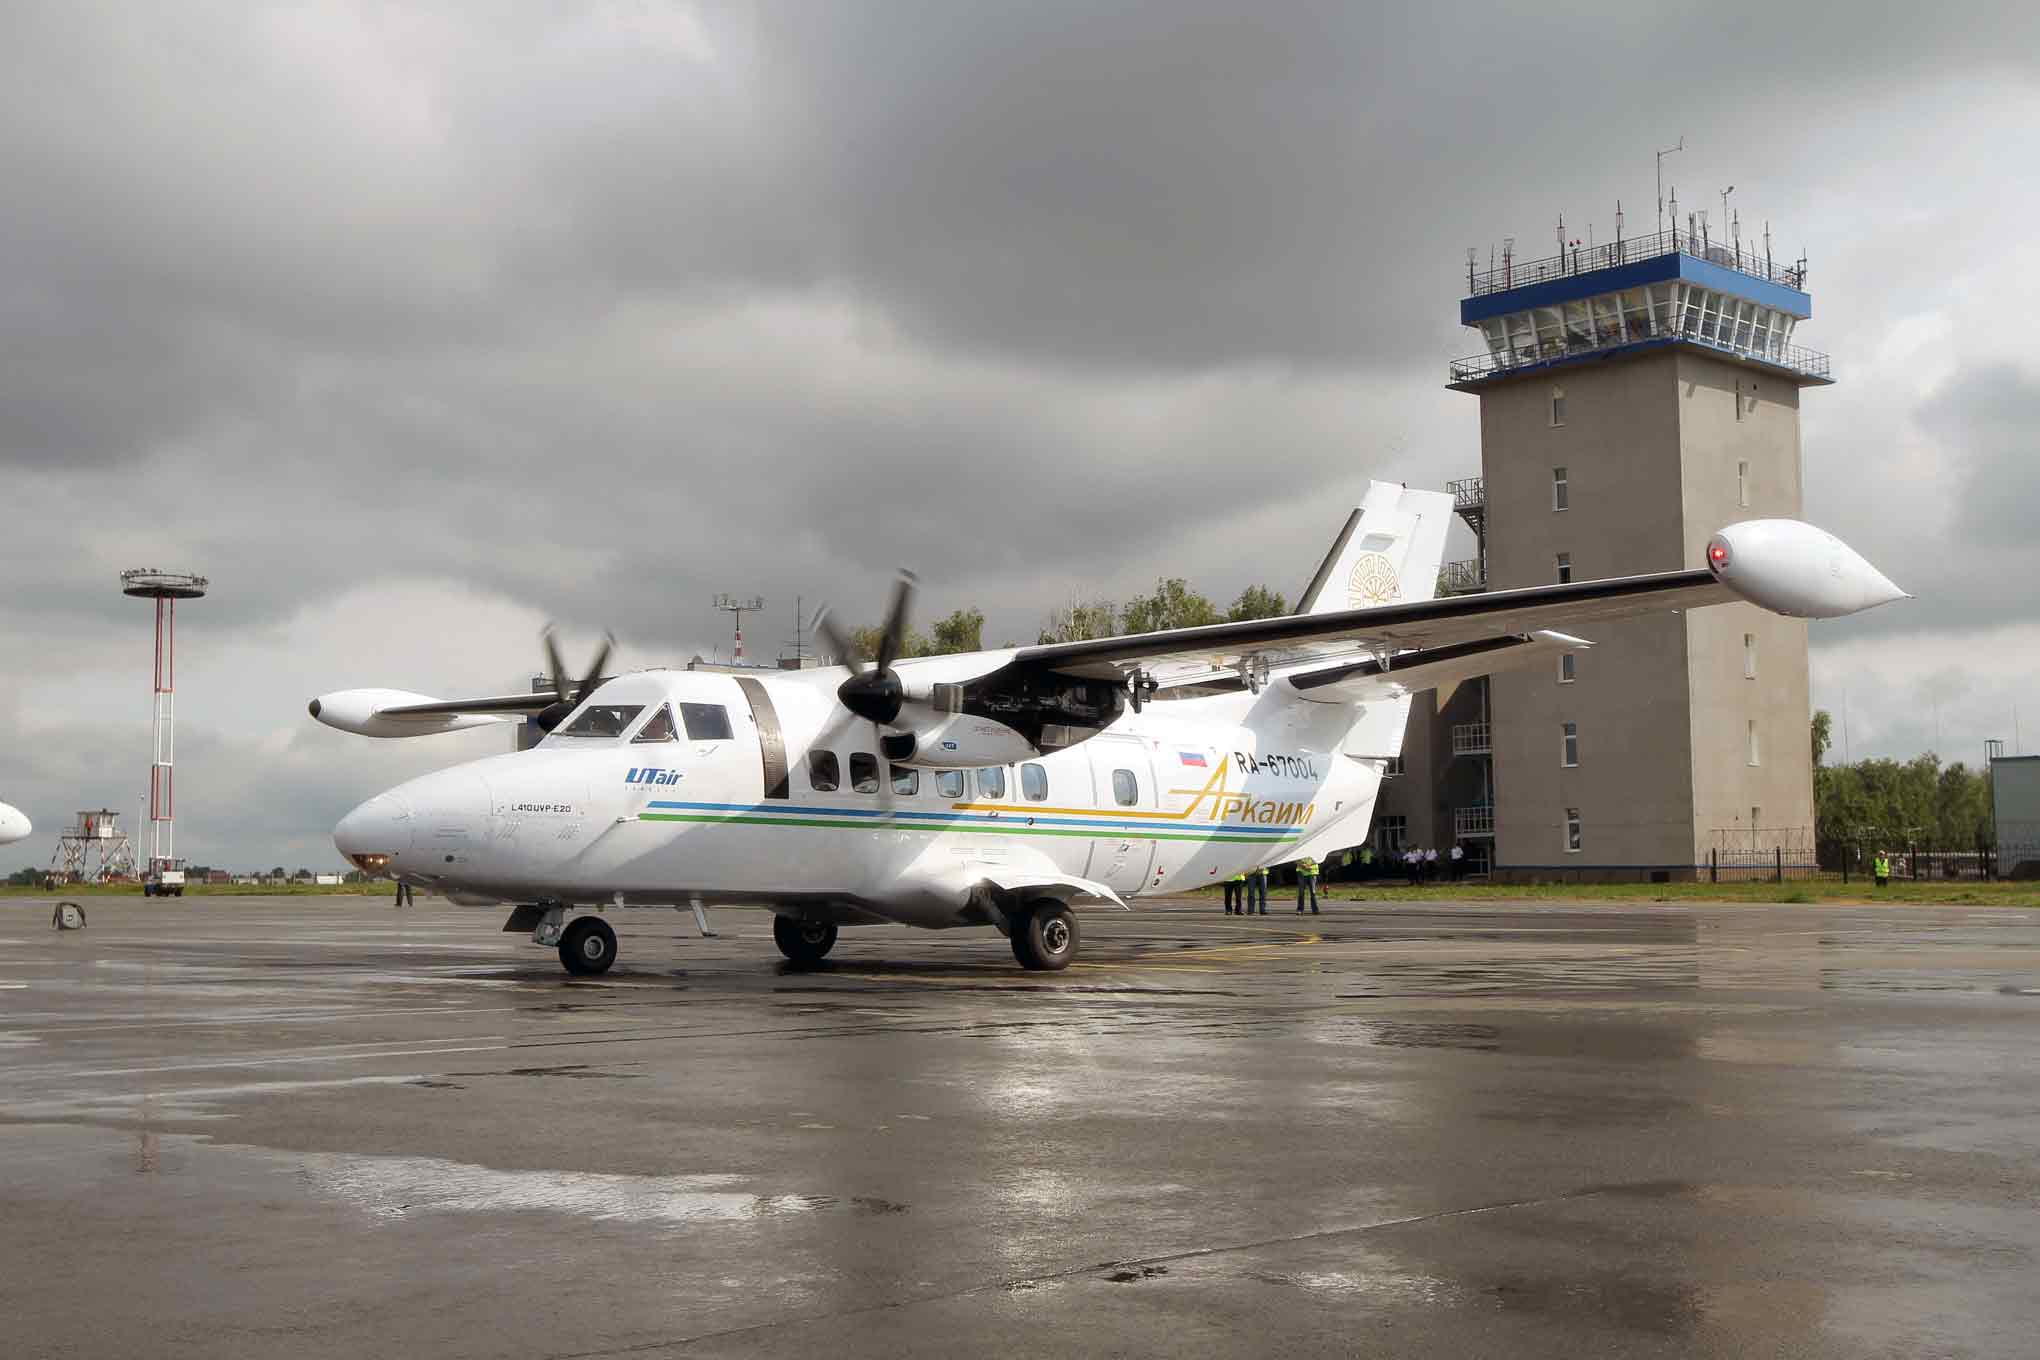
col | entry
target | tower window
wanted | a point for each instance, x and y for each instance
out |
(1558, 406)
(1756, 756)
(1572, 831)
(1560, 496)
(1749, 656)
(1570, 746)
(1742, 483)
(1564, 568)
(1566, 673)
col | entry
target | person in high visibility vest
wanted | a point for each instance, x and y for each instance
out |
(1306, 884)
(1236, 894)
(1257, 890)
(1880, 867)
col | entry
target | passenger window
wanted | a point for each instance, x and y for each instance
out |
(992, 781)
(602, 720)
(822, 771)
(1033, 783)
(706, 722)
(949, 783)
(1125, 789)
(660, 728)
(863, 772)
(906, 780)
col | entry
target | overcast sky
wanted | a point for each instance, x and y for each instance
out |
(416, 327)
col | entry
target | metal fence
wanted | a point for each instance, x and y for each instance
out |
(1585, 259)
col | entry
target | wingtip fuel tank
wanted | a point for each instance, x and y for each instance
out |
(1793, 568)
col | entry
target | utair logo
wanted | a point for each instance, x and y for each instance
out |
(651, 776)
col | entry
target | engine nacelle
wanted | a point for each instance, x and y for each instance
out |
(954, 741)
(1789, 567)
(360, 711)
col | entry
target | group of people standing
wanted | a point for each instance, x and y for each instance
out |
(1245, 891)
(1422, 865)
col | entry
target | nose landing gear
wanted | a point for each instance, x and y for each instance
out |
(587, 946)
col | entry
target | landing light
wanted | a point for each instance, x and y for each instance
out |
(370, 864)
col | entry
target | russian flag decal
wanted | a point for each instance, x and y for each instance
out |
(1191, 758)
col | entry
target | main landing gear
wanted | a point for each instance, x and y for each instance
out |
(1045, 936)
(803, 941)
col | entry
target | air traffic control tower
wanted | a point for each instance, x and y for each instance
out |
(1634, 398)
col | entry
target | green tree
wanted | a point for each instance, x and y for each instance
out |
(864, 641)
(962, 631)
(1080, 621)
(1173, 605)
(1823, 735)
(1257, 602)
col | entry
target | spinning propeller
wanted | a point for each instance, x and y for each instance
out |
(873, 691)
(554, 713)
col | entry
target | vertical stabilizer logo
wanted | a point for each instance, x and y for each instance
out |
(1373, 581)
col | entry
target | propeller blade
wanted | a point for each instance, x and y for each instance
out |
(893, 639)
(885, 779)
(824, 623)
(555, 667)
(594, 676)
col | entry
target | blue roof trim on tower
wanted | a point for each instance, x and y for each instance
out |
(1657, 269)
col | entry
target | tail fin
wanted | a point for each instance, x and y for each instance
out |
(1388, 553)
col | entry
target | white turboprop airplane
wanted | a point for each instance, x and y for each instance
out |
(1000, 787)
(14, 825)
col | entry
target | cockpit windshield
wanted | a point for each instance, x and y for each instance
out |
(601, 720)
(658, 728)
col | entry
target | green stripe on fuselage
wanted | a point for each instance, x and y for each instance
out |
(979, 828)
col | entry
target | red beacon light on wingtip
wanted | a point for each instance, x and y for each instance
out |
(1717, 554)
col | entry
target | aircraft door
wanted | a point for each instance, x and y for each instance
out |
(1122, 784)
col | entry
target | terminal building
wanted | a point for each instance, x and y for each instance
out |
(1634, 398)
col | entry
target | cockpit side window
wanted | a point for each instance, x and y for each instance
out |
(706, 722)
(659, 728)
(602, 720)
(823, 774)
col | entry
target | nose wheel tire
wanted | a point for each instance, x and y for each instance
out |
(588, 946)
(1046, 940)
(803, 941)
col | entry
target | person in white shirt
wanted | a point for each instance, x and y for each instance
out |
(1458, 861)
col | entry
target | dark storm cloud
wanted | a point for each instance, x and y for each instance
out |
(605, 308)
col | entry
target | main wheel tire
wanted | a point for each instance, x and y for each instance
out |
(588, 946)
(1051, 936)
(1023, 953)
(803, 941)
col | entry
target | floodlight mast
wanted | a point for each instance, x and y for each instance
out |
(166, 588)
(740, 605)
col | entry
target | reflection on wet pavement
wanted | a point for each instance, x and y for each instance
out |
(1424, 1129)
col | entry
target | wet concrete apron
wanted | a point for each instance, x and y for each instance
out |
(252, 1127)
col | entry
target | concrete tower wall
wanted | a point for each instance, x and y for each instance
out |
(1651, 445)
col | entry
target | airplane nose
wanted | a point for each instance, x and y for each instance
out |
(375, 833)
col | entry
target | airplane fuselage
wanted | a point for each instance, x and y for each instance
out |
(782, 805)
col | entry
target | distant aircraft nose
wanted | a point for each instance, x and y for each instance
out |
(375, 833)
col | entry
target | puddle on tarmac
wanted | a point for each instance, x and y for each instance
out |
(400, 1187)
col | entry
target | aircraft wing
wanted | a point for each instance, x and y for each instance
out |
(1423, 625)
(1786, 566)
(400, 713)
